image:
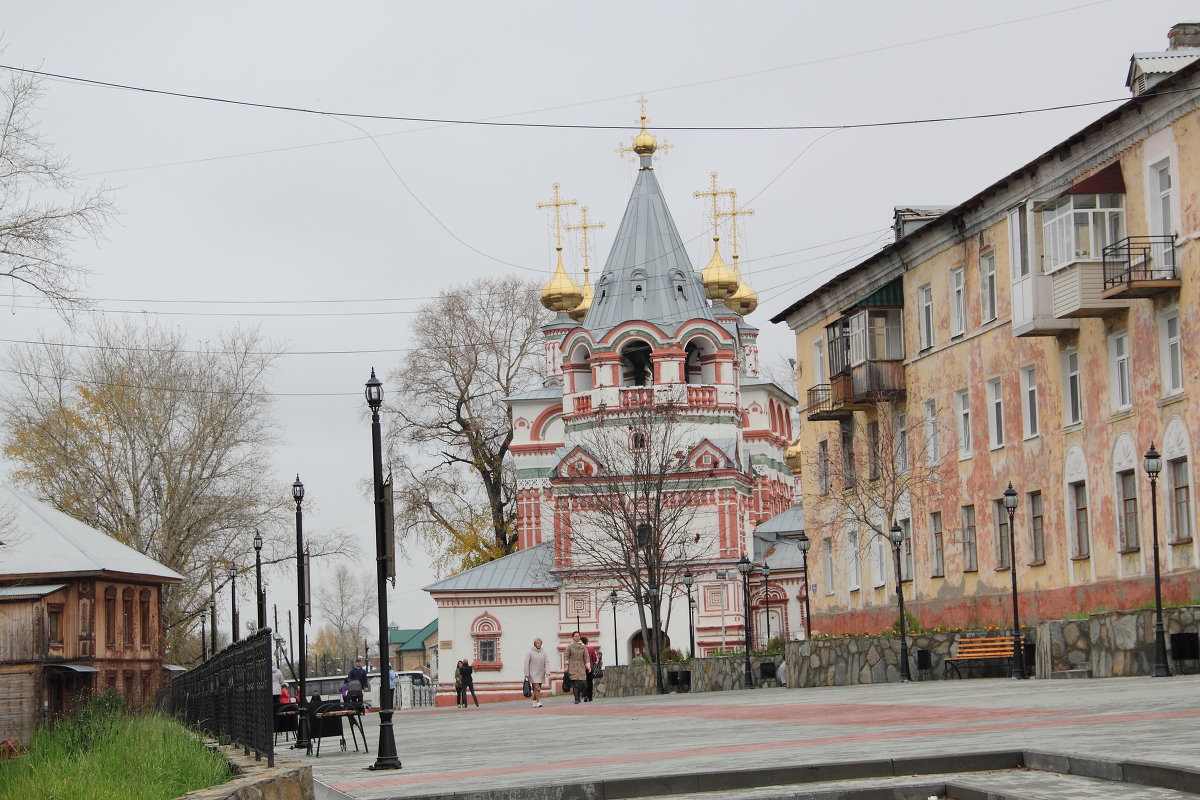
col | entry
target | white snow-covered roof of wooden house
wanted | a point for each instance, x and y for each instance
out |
(41, 540)
(524, 569)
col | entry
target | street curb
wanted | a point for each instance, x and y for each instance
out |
(1145, 773)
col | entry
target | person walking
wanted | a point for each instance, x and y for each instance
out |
(577, 666)
(460, 689)
(468, 683)
(392, 684)
(593, 652)
(276, 682)
(535, 671)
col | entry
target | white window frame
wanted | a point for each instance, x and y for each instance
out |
(987, 287)
(925, 315)
(879, 559)
(1171, 348)
(958, 290)
(1120, 379)
(1036, 503)
(827, 553)
(1072, 388)
(970, 539)
(1073, 490)
(901, 465)
(962, 416)
(937, 544)
(1003, 560)
(1161, 200)
(853, 562)
(995, 395)
(1080, 216)
(1018, 260)
(1029, 402)
(820, 371)
(823, 472)
(906, 550)
(1128, 531)
(1181, 529)
(932, 453)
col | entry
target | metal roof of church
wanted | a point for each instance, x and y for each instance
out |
(647, 252)
(41, 540)
(524, 569)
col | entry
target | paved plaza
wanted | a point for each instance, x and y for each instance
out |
(503, 747)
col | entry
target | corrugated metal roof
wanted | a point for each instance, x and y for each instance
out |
(45, 541)
(647, 252)
(790, 521)
(890, 294)
(524, 569)
(1166, 61)
(37, 590)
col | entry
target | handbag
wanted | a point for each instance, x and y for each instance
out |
(527, 688)
(566, 681)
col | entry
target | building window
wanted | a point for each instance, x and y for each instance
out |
(110, 615)
(54, 624)
(987, 286)
(1161, 216)
(823, 466)
(875, 459)
(970, 556)
(925, 322)
(939, 548)
(1017, 252)
(996, 413)
(931, 434)
(962, 406)
(906, 551)
(1003, 560)
(847, 440)
(1118, 353)
(819, 373)
(957, 306)
(144, 602)
(1172, 352)
(1128, 522)
(879, 555)
(1079, 226)
(901, 442)
(1181, 500)
(1073, 405)
(853, 564)
(1037, 537)
(127, 617)
(1029, 404)
(827, 553)
(1079, 498)
(487, 650)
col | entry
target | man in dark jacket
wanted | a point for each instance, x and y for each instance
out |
(357, 680)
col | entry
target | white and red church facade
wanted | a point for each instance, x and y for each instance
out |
(653, 331)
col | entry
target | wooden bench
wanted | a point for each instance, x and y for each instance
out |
(982, 650)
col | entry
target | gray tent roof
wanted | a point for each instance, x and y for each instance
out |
(524, 569)
(785, 553)
(44, 541)
(647, 252)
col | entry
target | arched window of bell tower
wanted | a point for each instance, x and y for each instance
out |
(698, 367)
(584, 379)
(637, 365)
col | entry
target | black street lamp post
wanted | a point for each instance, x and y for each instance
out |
(259, 593)
(203, 638)
(744, 566)
(616, 647)
(896, 534)
(233, 570)
(212, 624)
(688, 580)
(302, 740)
(1153, 466)
(803, 542)
(386, 749)
(1018, 656)
(652, 593)
(766, 571)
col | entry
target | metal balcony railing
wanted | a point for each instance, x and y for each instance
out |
(820, 398)
(1140, 258)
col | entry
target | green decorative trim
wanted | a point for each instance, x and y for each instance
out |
(766, 460)
(534, 472)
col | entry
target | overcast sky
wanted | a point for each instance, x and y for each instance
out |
(221, 202)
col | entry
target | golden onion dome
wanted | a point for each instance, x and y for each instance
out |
(794, 456)
(644, 144)
(580, 311)
(719, 281)
(561, 292)
(745, 299)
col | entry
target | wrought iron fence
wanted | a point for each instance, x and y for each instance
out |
(1140, 258)
(230, 696)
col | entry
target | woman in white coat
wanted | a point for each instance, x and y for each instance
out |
(535, 671)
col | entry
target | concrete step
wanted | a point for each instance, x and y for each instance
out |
(1073, 673)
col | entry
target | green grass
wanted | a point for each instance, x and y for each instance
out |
(102, 753)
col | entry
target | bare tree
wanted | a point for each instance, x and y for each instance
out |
(42, 208)
(163, 448)
(635, 496)
(347, 602)
(472, 346)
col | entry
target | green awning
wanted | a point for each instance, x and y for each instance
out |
(889, 295)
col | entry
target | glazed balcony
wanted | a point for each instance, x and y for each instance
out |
(857, 388)
(1140, 266)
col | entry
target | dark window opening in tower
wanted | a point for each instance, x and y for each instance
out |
(698, 368)
(637, 365)
(637, 288)
(637, 441)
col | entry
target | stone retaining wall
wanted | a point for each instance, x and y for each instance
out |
(1112, 644)
(707, 675)
(254, 780)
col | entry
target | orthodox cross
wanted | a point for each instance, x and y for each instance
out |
(557, 204)
(585, 226)
(660, 149)
(733, 213)
(715, 193)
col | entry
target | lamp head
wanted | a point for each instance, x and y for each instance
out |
(1152, 462)
(297, 489)
(803, 542)
(744, 566)
(1010, 498)
(233, 570)
(766, 570)
(652, 591)
(688, 578)
(258, 542)
(613, 596)
(374, 392)
(896, 534)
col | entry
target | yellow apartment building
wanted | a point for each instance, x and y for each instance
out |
(1044, 333)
